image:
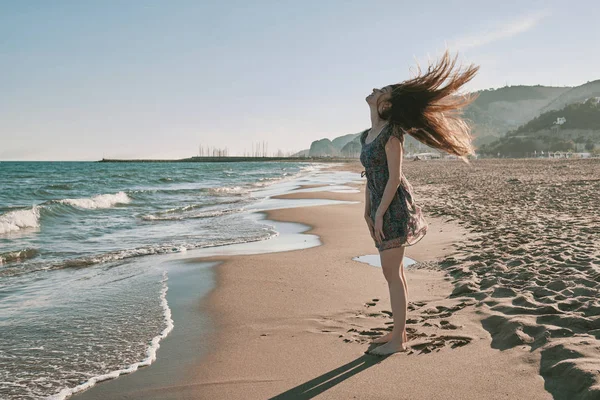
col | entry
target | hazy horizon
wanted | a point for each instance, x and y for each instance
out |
(82, 81)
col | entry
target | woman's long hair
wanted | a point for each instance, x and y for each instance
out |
(430, 111)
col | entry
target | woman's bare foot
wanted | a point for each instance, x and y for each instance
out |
(388, 336)
(393, 346)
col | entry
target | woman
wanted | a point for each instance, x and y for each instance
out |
(429, 111)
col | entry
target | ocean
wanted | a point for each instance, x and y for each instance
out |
(81, 296)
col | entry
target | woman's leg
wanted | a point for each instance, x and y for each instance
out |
(386, 338)
(404, 281)
(391, 259)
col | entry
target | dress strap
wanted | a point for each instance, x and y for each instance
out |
(363, 136)
(390, 131)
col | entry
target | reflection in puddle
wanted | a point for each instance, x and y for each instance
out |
(374, 260)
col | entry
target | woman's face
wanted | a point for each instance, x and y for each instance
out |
(381, 97)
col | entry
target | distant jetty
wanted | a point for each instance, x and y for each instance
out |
(240, 159)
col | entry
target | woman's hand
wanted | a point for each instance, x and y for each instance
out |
(370, 225)
(378, 228)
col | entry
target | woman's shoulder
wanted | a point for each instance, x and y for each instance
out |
(395, 131)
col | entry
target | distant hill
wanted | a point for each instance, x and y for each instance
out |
(411, 145)
(324, 147)
(341, 141)
(493, 114)
(352, 149)
(496, 111)
(301, 153)
(582, 115)
(575, 95)
(579, 130)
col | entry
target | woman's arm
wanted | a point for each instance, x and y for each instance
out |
(367, 202)
(393, 152)
(368, 211)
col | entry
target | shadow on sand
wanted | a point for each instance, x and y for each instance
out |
(320, 384)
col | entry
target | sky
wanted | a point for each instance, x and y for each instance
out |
(82, 80)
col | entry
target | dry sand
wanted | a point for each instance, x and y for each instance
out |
(535, 264)
(502, 304)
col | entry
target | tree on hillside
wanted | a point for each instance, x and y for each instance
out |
(589, 145)
(584, 115)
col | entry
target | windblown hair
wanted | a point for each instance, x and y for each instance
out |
(430, 111)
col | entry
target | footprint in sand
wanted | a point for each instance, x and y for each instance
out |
(425, 329)
(436, 343)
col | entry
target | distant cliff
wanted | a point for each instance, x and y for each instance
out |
(326, 147)
(323, 147)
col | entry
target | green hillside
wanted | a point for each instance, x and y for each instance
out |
(496, 111)
(579, 131)
(585, 115)
(575, 95)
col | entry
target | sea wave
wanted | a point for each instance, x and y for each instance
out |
(100, 201)
(150, 352)
(14, 221)
(119, 255)
(216, 192)
(238, 190)
(17, 220)
(18, 255)
(221, 191)
(262, 182)
(59, 186)
(179, 217)
(312, 167)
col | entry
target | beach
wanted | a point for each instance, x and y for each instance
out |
(502, 300)
(184, 214)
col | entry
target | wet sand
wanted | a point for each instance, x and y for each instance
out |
(502, 304)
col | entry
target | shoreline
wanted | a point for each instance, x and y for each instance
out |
(234, 159)
(286, 325)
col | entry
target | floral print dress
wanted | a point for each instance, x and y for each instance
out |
(403, 221)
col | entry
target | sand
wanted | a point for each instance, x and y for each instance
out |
(502, 301)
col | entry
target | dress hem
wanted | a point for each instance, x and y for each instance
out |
(401, 241)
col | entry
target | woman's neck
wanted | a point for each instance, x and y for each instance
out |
(377, 124)
(376, 121)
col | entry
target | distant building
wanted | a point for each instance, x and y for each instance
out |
(422, 156)
(560, 121)
(455, 157)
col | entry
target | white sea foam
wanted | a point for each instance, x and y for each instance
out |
(20, 219)
(312, 167)
(285, 177)
(178, 217)
(226, 190)
(150, 352)
(100, 201)
(129, 253)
